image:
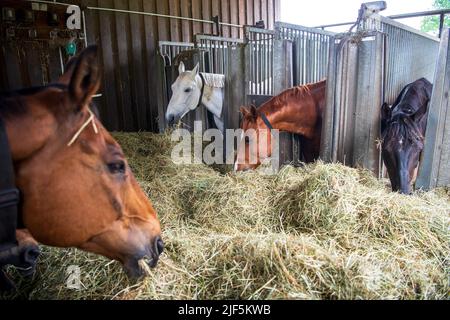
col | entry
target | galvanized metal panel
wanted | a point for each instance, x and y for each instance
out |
(435, 165)
(369, 67)
(311, 49)
(410, 54)
(368, 101)
(234, 96)
(260, 59)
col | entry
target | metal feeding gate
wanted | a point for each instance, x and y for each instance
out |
(308, 52)
(259, 61)
(311, 49)
(217, 52)
(367, 68)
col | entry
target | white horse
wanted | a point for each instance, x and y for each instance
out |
(192, 89)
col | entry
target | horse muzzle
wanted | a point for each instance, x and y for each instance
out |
(172, 119)
(139, 266)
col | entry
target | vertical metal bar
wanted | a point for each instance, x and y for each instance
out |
(441, 24)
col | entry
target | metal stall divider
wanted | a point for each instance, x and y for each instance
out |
(310, 49)
(435, 165)
(354, 90)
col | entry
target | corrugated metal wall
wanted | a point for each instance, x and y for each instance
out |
(128, 45)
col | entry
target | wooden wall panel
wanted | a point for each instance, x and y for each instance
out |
(175, 24)
(207, 14)
(197, 14)
(186, 11)
(234, 17)
(162, 7)
(225, 16)
(151, 45)
(250, 13)
(256, 10)
(215, 11)
(112, 116)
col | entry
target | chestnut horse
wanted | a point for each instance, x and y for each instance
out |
(298, 110)
(77, 188)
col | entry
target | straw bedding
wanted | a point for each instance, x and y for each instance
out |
(319, 232)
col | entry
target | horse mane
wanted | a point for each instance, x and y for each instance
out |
(295, 93)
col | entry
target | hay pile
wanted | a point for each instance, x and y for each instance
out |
(321, 232)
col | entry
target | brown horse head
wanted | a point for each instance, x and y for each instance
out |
(255, 141)
(297, 110)
(77, 187)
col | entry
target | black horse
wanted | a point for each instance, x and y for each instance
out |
(403, 128)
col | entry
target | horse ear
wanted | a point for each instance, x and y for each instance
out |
(68, 71)
(253, 112)
(385, 115)
(85, 79)
(195, 70)
(244, 111)
(181, 68)
(421, 113)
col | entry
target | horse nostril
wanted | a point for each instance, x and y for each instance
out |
(159, 246)
(31, 255)
(170, 119)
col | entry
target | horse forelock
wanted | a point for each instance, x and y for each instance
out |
(405, 129)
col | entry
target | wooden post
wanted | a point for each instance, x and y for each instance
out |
(161, 92)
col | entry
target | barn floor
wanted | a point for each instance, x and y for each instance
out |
(321, 232)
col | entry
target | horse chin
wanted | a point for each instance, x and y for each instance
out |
(138, 268)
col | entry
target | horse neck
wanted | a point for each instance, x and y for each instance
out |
(300, 116)
(213, 100)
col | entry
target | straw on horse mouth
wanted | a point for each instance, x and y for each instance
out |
(143, 264)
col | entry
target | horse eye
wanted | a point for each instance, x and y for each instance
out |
(116, 167)
(187, 90)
